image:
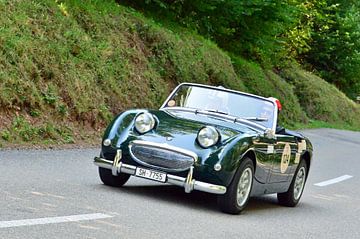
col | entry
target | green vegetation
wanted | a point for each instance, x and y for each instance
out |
(316, 124)
(245, 28)
(322, 34)
(66, 67)
(322, 101)
(21, 130)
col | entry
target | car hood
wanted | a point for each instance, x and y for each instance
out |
(184, 126)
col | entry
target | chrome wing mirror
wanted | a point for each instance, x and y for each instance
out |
(269, 133)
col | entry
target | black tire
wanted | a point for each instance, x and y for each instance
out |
(289, 198)
(115, 181)
(228, 202)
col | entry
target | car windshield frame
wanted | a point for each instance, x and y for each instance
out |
(250, 122)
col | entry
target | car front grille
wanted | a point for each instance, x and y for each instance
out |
(161, 158)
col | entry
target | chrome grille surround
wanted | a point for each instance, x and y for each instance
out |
(161, 156)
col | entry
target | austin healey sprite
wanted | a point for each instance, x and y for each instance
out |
(210, 139)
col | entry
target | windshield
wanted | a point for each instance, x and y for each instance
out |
(224, 102)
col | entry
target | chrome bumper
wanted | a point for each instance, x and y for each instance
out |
(188, 183)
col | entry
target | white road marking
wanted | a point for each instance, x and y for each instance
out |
(334, 180)
(52, 220)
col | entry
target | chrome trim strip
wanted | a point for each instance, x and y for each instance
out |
(128, 169)
(171, 179)
(103, 163)
(209, 188)
(176, 180)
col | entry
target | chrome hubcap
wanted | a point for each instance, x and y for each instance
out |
(244, 186)
(299, 183)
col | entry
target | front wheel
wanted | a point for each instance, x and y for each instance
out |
(115, 181)
(238, 193)
(292, 197)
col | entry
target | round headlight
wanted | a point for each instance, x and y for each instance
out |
(144, 122)
(208, 136)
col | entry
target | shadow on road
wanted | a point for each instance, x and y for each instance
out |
(195, 200)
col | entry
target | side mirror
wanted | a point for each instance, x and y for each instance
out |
(269, 133)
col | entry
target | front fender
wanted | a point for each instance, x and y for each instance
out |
(231, 155)
(118, 131)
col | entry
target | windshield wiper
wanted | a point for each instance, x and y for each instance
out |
(255, 118)
(216, 111)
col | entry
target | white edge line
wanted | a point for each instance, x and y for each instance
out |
(52, 220)
(333, 181)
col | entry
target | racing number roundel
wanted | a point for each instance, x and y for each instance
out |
(285, 158)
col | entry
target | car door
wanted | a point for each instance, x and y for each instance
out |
(284, 163)
(264, 149)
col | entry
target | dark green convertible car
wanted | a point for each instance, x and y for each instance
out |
(210, 139)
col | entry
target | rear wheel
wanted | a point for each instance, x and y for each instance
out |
(115, 181)
(292, 197)
(238, 193)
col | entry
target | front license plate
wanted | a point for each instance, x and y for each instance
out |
(150, 174)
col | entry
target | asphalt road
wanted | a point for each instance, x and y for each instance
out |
(63, 185)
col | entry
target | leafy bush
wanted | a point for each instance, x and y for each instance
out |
(321, 100)
(249, 28)
(91, 63)
(328, 38)
(324, 34)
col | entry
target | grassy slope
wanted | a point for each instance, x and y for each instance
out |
(65, 70)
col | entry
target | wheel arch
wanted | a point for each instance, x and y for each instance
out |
(234, 153)
(250, 153)
(307, 158)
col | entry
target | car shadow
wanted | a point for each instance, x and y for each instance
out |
(195, 200)
(173, 194)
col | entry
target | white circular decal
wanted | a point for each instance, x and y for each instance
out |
(285, 158)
